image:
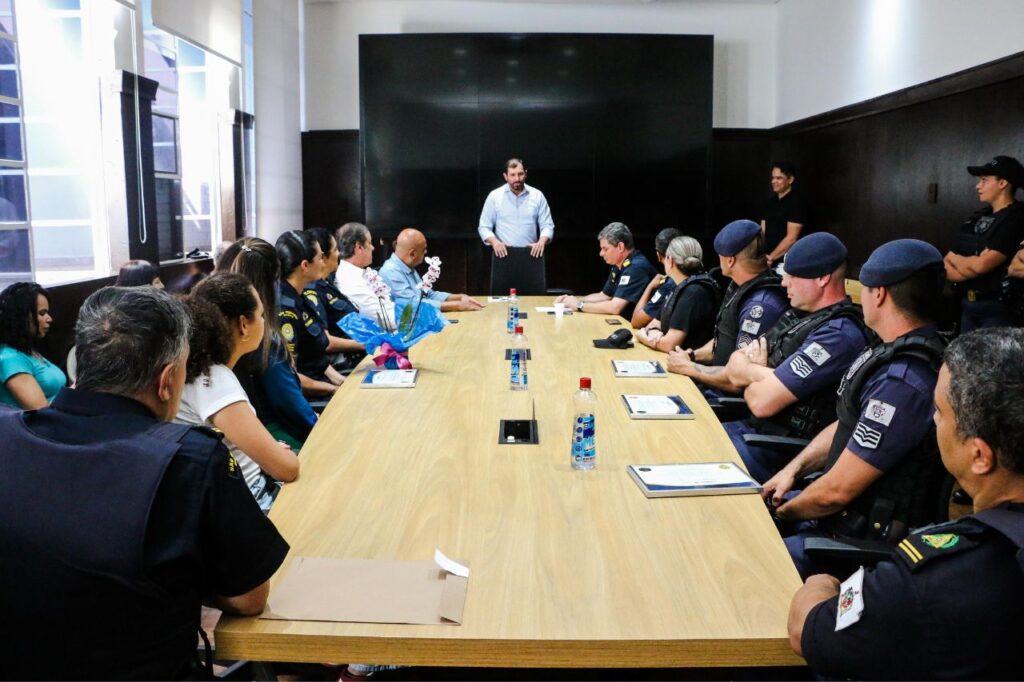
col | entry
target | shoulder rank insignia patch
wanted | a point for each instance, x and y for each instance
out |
(943, 541)
(919, 548)
(233, 470)
(625, 263)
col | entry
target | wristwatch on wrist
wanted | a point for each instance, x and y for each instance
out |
(579, 306)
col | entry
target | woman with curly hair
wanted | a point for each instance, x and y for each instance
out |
(227, 323)
(28, 381)
(268, 374)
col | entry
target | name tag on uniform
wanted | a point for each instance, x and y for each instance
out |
(624, 279)
(751, 327)
(656, 297)
(851, 600)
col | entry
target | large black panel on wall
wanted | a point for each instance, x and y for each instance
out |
(612, 127)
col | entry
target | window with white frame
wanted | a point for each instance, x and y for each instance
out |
(62, 142)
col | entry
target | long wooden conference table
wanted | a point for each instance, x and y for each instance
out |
(568, 568)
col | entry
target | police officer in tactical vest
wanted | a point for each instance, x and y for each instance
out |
(116, 526)
(985, 244)
(752, 304)
(948, 605)
(790, 376)
(882, 472)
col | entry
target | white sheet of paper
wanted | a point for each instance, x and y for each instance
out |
(394, 377)
(637, 367)
(652, 404)
(497, 299)
(692, 475)
(453, 567)
(545, 309)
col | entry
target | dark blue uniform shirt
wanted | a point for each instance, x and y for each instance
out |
(896, 405)
(948, 607)
(630, 280)
(657, 299)
(823, 359)
(759, 313)
(300, 327)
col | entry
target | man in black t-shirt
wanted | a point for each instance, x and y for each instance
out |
(985, 244)
(785, 213)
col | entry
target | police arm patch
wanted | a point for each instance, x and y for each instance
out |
(879, 412)
(866, 437)
(624, 279)
(815, 352)
(756, 312)
(750, 326)
(851, 600)
(800, 367)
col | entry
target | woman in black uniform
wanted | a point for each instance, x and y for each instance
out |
(331, 305)
(688, 315)
(301, 265)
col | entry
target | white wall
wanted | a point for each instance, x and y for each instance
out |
(833, 53)
(744, 71)
(278, 40)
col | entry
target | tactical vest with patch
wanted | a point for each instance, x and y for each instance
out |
(701, 279)
(728, 321)
(805, 418)
(906, 496)
(80, 548)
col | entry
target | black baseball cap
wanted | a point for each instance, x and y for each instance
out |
(1005, 167)
(620, 338)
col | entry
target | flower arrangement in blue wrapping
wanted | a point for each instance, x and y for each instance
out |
(415, 322)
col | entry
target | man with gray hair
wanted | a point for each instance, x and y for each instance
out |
(355, 251)
(117, 525)
(630, 274)
(947, 604)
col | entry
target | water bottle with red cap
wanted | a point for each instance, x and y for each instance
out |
(518, 379)
(513, 311)
(584, 449)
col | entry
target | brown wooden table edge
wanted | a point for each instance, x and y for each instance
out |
(635, 653)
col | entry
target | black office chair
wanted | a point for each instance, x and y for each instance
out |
(520, 271)
(729, 408)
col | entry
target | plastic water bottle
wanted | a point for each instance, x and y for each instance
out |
(584, 449)
(513, 311)
(518, 379)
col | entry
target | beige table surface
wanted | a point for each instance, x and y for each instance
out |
(568, 568)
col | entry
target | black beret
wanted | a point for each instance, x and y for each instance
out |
(735, 236)
(897, 260)
(815, 255)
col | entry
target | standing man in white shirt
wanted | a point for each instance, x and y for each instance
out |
(355, 249)
(516, 214)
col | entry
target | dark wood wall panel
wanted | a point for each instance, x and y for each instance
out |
(867, 178)
(332, 187)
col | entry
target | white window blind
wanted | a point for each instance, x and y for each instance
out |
(214, 25)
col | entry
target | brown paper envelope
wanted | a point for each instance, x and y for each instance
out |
(368, 591)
